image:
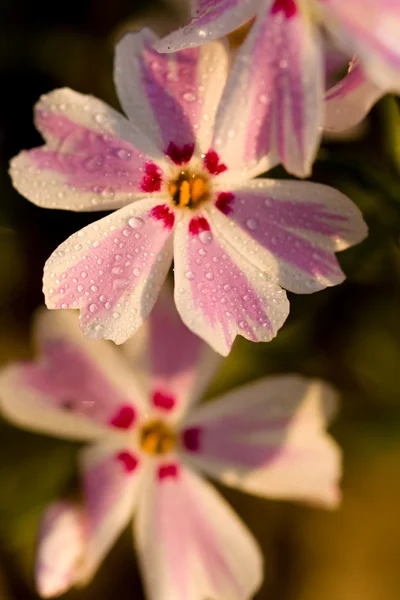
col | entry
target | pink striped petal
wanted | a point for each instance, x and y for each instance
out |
(218, 293)
(61, 548)
(94, 159)
(212, 19)
(112, 478)
(178, 364)
(267, 438)
(75, 389)
(113, 269)
(191, 544)
(369, 29)
(348, 102)
(290, 230)
(174, 96)
(276, 86)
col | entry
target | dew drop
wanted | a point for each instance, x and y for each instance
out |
(189, 275)
(205, 237)
(135, 222)
(252, 223)
(124, 154)
(189, 97)
(93, 308)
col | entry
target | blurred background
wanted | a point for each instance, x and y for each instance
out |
(349, 335)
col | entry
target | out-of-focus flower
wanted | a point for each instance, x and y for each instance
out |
(278, 76)
(137, 406)
(185, 184)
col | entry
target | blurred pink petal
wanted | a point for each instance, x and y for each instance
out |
(112, 475)
(268, 438)
(75, 389)
(350, 100)
(191, 544)
(175, 363)
(61, 548)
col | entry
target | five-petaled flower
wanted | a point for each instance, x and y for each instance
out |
(235, 241)
(136, 404)
(278, 75)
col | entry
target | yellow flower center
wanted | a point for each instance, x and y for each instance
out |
(189, 189)
(157, 438)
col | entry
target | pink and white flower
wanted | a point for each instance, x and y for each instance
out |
(137, 406)
(235, 241)
(278, 76)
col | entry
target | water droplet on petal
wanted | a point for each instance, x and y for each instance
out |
(205, 237)
(252, 224)
(189, 97)
(124, 154)
(135, 222)
(189, 275)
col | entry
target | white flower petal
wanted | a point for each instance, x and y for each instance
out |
(61, 547)
(112, 477)
(75, 389)
(113, 270)
(191, 544)
(176, 364)
(94, 158)
(218, 293)
(175, 97)
(268, 438)
(290, 230)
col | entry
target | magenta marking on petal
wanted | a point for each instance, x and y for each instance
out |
(167, 471)
(152, 179)
(224, 202)
(163, 213)
(212, 163)
(128, 461)
(163, 400)
(180, 155)
(288, 7)
(91, 161)
(191, 438)
(124, 418)
(198, 224)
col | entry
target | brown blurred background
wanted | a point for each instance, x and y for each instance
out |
(349, 335)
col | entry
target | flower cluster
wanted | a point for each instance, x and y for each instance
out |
(181, 175)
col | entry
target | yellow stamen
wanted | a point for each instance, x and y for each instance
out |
(184, 194)
(189, 190)
(199, 189)
(157, 438)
